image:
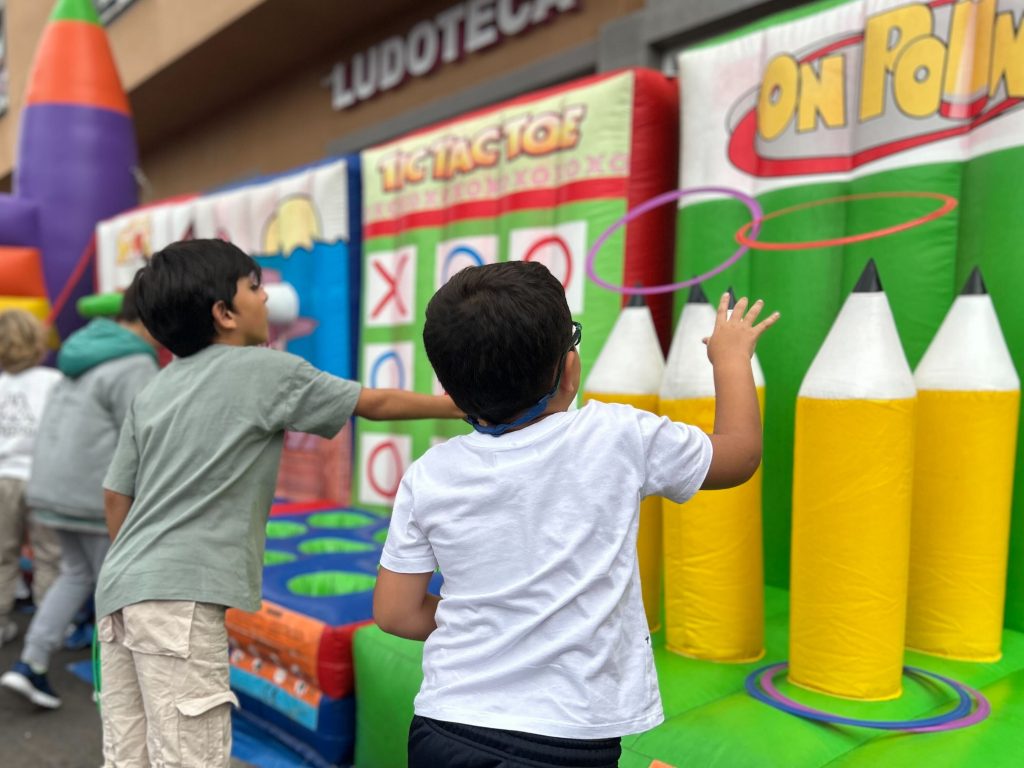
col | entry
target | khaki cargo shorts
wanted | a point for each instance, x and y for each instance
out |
(166, 700)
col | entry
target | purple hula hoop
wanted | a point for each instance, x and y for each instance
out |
(667, 197)
(765, 677)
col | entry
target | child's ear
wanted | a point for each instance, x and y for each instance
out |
(571, 372)
(223, 317)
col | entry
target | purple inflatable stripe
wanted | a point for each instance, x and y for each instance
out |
(76, 164)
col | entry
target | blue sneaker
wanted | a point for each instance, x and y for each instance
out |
(79, 637)
(32, 685)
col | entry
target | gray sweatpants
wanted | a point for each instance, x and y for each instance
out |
(81, 555)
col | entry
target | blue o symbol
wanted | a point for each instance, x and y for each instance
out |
(398, 367)
(460, 250)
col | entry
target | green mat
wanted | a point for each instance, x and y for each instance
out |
(710, 720)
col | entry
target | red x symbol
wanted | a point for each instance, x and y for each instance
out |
(392, 281)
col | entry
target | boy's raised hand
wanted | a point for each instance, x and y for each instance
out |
(738, 333)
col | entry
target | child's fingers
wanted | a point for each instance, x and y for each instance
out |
(723, 310)
(740, 308)
(706, 339)
(767, 323)
(755, 310)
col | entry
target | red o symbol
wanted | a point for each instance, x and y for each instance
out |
(371, 462)
(558, 242)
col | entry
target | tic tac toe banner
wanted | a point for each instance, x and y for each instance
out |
(857, 127)
(303, 228)
(538, 178)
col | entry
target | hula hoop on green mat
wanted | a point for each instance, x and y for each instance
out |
(760, 684)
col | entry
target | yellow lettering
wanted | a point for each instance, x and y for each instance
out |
(462, 157)
(1008, 56)
(777, 100)
(970, 48)
(541, 135)
(514, 132)
(572, 118)
(917, 78)
(485, 153)
(389, 168)
(885, 37)
(822, 94)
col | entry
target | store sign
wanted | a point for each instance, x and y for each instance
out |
(108, 10)
(465, 28)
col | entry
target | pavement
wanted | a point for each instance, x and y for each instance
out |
(68, 737)
(32, 737)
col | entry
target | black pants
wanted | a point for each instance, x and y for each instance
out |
(439, 744)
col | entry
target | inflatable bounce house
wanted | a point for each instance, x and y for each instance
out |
(859, 601)
(303, 228)
(75, 164)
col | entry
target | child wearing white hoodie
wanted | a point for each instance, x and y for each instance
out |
(24, 389)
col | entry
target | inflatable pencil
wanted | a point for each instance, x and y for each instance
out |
(714, 577)
(852, 470)
(968, 404)
(628, 370)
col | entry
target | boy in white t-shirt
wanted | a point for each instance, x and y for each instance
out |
(538, 651)
(24, 388)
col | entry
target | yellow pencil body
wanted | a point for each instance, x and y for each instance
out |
(963, 484)
(714, 574)
(648, 543)
(852, 485)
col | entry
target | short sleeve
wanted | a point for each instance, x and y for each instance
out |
(677, 457)
(318, 402)
(406, 549)
(125, 465)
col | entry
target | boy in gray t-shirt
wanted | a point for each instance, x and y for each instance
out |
(188, 493)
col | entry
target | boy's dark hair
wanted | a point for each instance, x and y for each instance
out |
(129, 312)
(175, 293)
(495, 335)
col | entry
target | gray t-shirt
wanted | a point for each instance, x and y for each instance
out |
(199, 453)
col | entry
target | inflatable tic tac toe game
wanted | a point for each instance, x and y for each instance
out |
(537, 178)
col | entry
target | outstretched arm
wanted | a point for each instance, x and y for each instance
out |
(398, 404)
(736, 442)
(402, 606)
(115, 507)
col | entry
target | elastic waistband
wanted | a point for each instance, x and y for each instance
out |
(542, 750)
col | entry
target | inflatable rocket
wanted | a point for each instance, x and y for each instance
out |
(74, 166)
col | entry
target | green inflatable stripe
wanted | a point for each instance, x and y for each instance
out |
(283, 529)
(330, 583)
(388, 675)
(276, 557)
(100, 305)
(339, 520)
(328, 545)
(381, 536)
(992, 228)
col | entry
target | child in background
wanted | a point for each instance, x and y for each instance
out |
(24, 388)
(106, 364)
(537, 652)
(187, 498)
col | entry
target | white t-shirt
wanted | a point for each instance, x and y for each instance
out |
(23, 396)
(541, 625)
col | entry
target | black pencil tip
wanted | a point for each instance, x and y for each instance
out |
(869, 281)
(975, 285)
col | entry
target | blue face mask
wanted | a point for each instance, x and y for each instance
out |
(535, 410)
